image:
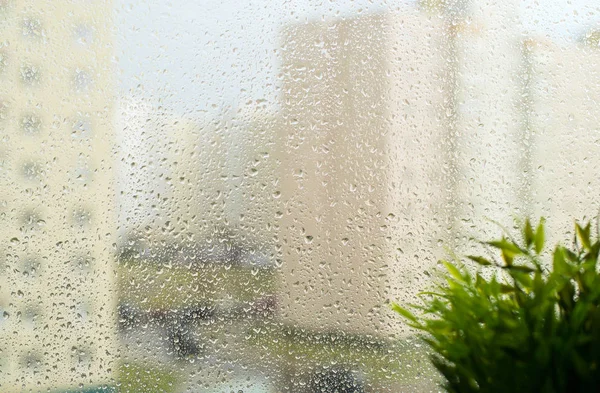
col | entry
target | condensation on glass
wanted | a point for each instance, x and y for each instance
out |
(224, 196)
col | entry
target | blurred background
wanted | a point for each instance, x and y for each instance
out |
(224, 196)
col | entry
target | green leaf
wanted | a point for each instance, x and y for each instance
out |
(404, 312)
(453, 270)
(523, 269)
(535, 324)
(528, 233)
(581, 365)
(566, 294)
(539, 236)
(559, 263)
(506, 245)
(430, 293)
(506, 288)
(523, 278)
(509, 249)
(480, 260)
(508, 257)
(570, 255)
(581, 311)
(584, 235)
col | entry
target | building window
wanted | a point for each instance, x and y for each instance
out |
(3, 61)
(31, 362)
(3, 109)
(30, 75)
(31, 317)
(31, 124)
(4, 9)
(82, 217)
(30, 267)
(31, 221)
(82, 128)
(83, 34)
(82, 264)
(32, 28)
(82, 80)
(3, 160)
(4, 316)
(81, 358)
(83, 311)
(82, 174)
(32, 170)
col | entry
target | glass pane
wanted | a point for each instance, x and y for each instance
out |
(225, 196)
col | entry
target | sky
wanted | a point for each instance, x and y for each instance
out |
(198, 57)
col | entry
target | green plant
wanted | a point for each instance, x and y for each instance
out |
(139, 377)
(518, 324)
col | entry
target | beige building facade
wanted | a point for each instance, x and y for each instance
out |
(564, 124)
(407, 137)
(363, 102)
(57, 211)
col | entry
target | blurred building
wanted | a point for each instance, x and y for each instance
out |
(189, 182)
(409, 130)
(158, 158)
(490, 146)
(197, 196)
(526, 128)
(363, 182)
(564, 128)
(57, 329)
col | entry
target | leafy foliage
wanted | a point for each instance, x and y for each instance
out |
(139, 377)
(519, 325)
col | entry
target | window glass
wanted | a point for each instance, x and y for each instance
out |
(219, 196)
